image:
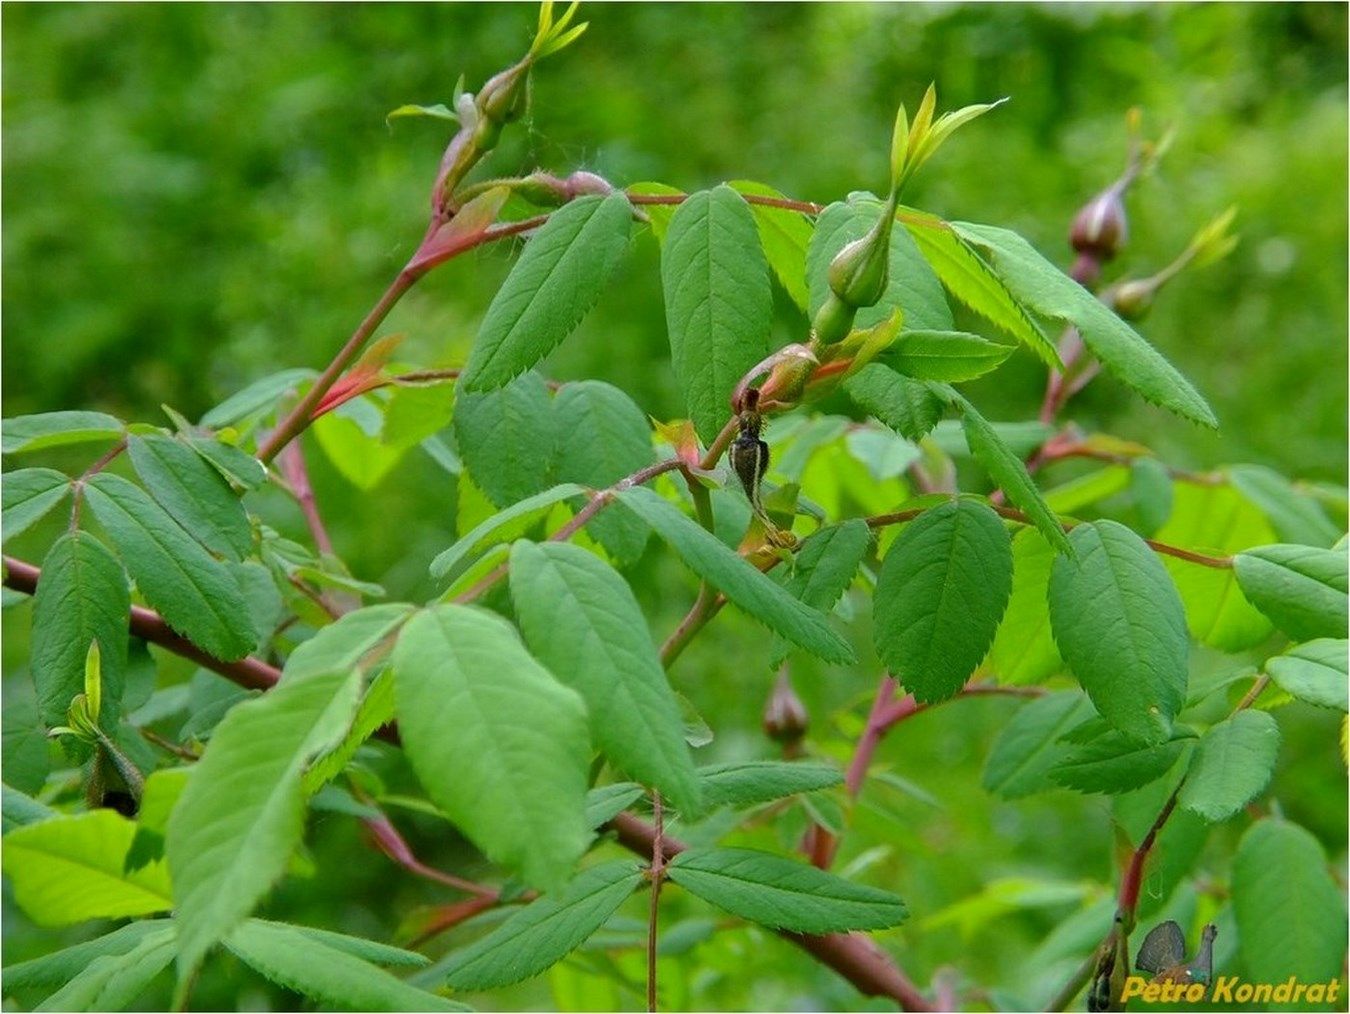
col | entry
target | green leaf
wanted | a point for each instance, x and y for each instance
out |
(504, 526)
(1120, 626)
(512, 776)
(580, 619)
(241, 814)
(747, 783)
(350, 437)
(785, 235)
(63, 965)
(415, 412)
(824, 567)
(942, 589)
(367, 950)
(911, 285)
(544, 931)
(951, 356)
(239, 468)
(1290, 913)
(783, 894)
(1301, 588)
(1028, 747)
(719, 304)
(56, 429)
(605, 437)
(1008, 471)
(1315, 672)
(507, 438)
(81, 598)
(161, 793)
(114, 981)
(194, 593)
(69, 869)
(1217, 520)
(264, 393)
(1049, 292)
(28, 495)
(1231, 765)
(376, 710)
(760, 597)
(906, 405)
(970, 280)
(20, 810)
(193, 493)
(1024, 650)
(558, 278)
(333, 977)
(437, 112)
(26, 755)
(1296, 517)
(608, 801)
(1151, 490)
(1112, 762)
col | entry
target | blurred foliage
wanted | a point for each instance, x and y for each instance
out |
(196, 196)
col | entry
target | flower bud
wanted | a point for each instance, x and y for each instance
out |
(1133, 299)
(503, 97)
(834, 320)
(542, 189)
(785, 717)
(1100, 227)
(582, 182)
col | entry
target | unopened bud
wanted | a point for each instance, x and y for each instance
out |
(1132, 300)
(503, 97)
(1100, 227)
(582, 182)
(542, 189)
(785, 717)
(834, 320)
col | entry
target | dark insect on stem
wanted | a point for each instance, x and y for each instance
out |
(749, 454)
(750, 458)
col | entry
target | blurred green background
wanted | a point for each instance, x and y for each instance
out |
(196, 196)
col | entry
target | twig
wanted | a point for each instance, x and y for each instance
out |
(1012, 514)
(656, 874)
(599, 500)
(818, 843)
(169, 745)
(294, 423)
(297, 476)
(104, 461)
(392, 844)
(704, 608)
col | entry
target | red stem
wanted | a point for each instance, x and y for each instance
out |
(294, 423)
(293, 468)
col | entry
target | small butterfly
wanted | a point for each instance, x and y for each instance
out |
(1163, 953)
